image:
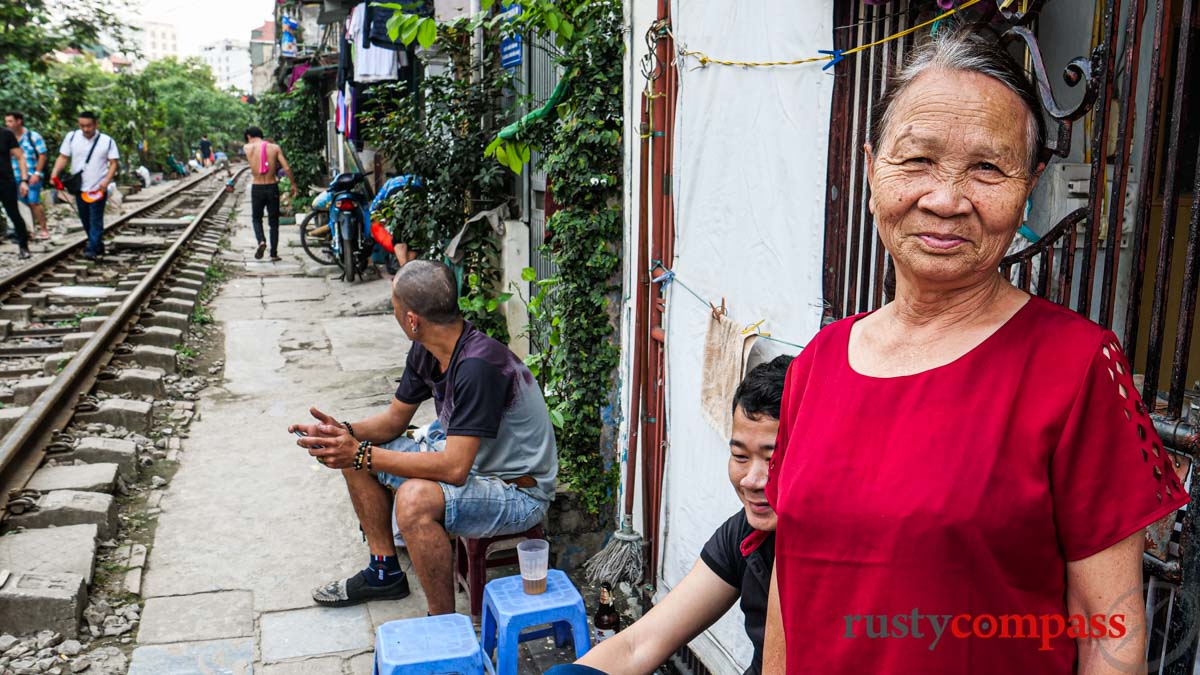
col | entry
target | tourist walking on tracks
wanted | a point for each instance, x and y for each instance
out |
(492, 472)
(11, 190)
(34, 148)
(93, 156)
(206, 150)
(265, 160)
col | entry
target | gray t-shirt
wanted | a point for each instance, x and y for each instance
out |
(488, 392)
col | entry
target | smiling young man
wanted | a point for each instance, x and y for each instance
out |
(735, 563)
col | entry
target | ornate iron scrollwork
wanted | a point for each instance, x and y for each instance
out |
(1080, 69)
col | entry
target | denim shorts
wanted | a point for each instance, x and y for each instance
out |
(484, 506)
(34, 196)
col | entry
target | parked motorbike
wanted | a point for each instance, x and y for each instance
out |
(337, 231)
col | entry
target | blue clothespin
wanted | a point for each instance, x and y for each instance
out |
(666, 278)
(837, 55)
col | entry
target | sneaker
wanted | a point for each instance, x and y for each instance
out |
(355, 590)
(258, 252)
(23, 254)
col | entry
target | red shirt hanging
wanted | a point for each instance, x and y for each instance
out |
(907, 502)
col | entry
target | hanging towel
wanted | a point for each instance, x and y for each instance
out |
(726, 350)
(264, 164)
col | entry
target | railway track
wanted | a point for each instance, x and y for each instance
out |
(91, 343)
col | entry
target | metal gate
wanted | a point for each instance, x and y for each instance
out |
(1137, 146)
(541, 76)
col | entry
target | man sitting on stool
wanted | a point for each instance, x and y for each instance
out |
(495, 474)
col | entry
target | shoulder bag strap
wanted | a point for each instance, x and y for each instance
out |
(89, 157)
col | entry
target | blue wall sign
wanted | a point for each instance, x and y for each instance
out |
(511, 51)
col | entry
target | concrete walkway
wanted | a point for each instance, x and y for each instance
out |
(250, 522)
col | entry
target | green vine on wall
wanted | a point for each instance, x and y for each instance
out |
(583, 161)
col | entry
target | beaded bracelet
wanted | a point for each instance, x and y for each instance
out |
(364, 449)
(349, 428)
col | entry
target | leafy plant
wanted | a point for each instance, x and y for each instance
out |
(554, 18)
(583, 163)
(201, 316)
(437, 135)
(475, 302)
(150, 115)
(185, 352)
(31, 29)
(544, 337)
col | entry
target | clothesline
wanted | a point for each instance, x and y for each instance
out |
(833, 56)
(669, 277)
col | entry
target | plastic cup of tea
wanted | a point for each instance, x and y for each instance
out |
(533, 556)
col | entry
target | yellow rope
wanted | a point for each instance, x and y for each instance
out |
(910, 31)
(705, 59)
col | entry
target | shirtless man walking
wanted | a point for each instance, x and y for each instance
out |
(265, 160)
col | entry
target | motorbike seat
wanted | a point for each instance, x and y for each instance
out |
(347, 181)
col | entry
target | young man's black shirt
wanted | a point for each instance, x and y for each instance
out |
(750, 574)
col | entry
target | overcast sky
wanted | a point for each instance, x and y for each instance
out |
(200, 22)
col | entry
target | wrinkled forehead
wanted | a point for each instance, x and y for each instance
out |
(957, 111)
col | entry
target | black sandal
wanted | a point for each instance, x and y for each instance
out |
(355, 590)
(258, 253)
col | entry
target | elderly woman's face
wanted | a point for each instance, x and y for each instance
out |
(950, 180)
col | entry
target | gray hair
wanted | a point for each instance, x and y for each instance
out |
(960, 49)
(428, 289)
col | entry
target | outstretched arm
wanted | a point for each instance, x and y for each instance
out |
(59, 163)
(692, 606)
(379, 428)
(287, 170)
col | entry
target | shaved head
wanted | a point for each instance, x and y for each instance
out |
(427, 289)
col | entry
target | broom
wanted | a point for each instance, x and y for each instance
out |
(621, 558)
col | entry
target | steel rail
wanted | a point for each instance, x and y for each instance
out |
(10, 282)
(56, 405)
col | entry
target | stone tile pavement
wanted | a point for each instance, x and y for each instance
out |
(250, 524)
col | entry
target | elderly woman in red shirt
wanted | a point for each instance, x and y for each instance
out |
(963, 476)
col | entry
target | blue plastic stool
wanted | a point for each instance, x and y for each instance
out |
(431, 644)
(508, 610)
